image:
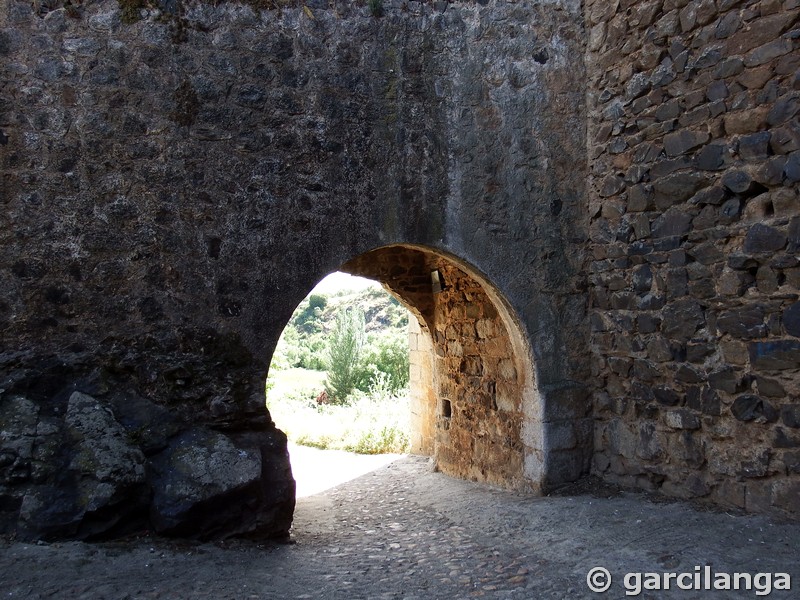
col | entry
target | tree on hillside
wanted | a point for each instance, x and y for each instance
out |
(345, 345)
(307, 315)
(317, 301)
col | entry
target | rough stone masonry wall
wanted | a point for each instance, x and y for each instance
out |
(480, 382)
(694, 152)
(173, 184)
(469, 390)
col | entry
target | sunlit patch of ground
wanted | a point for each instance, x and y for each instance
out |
(318, 470)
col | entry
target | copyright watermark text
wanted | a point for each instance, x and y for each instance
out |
(701, 578)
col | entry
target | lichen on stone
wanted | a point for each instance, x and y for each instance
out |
(131, 10)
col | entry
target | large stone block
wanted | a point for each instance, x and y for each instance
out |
(763, 238)
(791, 319)
(681, 419)
(676, 188)
(207, 486)
(674, 222)
(684, 141)
(704, 400)
(100, 475)
(776, 355)
(745, 324)
(104, 451)
(753, 408)
(566, 401)
(786, 495)
(790, 415)
(754, 146)
(681, 319)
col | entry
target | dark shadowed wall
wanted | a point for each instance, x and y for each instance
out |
(174, 184)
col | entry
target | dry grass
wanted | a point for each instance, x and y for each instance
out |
(373, 423)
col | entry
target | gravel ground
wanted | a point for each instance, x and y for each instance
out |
(402, 531)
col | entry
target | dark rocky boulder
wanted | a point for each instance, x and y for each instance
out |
(74, 465)
(208, 486)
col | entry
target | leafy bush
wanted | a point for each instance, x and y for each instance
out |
(389, 439)
(297, 350)
(317, 301)
(386, 361)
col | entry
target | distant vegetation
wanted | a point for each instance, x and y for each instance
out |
(339, 376)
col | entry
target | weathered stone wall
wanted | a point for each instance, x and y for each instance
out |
(694, 150)
(175, 185)
(480, 384)
(474, 388)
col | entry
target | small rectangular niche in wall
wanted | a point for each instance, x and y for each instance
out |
(447, 410)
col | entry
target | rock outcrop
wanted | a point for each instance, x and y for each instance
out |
(96, 466)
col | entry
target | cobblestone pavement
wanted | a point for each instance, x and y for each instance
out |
(405, 532)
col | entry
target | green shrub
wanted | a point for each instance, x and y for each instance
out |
(385, 364)
(389, 439)
(369, 424)
(317, 301)
(366, 376)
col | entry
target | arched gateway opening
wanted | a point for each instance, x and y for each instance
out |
(474, 403)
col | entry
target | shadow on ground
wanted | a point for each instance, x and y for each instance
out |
(402, 531)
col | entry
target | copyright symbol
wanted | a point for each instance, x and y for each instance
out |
(598, 579)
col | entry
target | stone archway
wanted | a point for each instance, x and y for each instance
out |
(159, 237)
(473, 392)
